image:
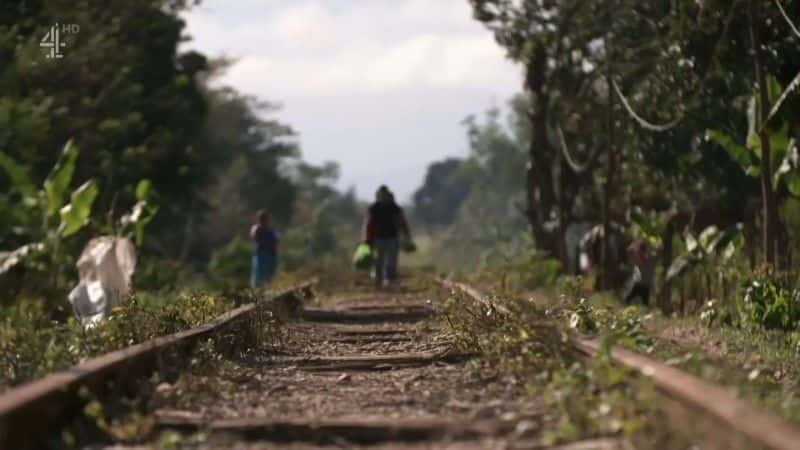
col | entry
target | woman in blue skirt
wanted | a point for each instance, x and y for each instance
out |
(265, 251)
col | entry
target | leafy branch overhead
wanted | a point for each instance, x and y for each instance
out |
(42, 205)
(784, 154)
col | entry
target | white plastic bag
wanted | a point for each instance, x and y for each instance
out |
(105, 269)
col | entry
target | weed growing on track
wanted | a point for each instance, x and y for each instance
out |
(31, 345)
(751, 349)
(760, 366)
(585, 398)
(124, 414)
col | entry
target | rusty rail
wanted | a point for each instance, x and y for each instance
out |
(744, 425)
(41, 406)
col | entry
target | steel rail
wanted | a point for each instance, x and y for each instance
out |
(742, 420)
(32, 411)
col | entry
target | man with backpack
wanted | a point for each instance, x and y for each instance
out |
(385, 224)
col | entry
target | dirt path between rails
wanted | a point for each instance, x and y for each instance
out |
(359, 370)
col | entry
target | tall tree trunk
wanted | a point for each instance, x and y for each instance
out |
(536, 219)
(540, 186)
(767, 194)
(611, 166)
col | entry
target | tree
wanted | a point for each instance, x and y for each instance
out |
(247, 153)
(140, 109)
(438, 200)
(561, 47)
(122, 91)
(490, 216)
(656, 73)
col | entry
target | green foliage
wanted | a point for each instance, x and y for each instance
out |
(154, 274)
(782, 146)
(529, 268)
(489, 232)
(527, 344)
(513, 261)
(582, 317)
(40, 205)
(326, 223)
(447, 183)
(142, 213)
(194, 161)
(20, 179)
(711, 247)
(304, 244)
(56, 184)
(137, 114)
(33, 346)
(737, 152)
(230, 265)
(794, 339)
(769, 303)
(35, 210)
(143, 189)
(624, 327)
(648, 225)
(711, 313)
(596, 399)
(76, 214)
(674, 72)
(253, 162)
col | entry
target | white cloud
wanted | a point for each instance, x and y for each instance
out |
(423, 61)
(307, 26)
(379, 85)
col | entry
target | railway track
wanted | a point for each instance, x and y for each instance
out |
(358, 369)
(730, 423)
(30, 412)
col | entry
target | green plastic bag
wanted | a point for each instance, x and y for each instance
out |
(362, 258)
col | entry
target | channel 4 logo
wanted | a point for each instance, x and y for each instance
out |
(53, 41)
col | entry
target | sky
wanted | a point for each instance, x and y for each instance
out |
(380, 86)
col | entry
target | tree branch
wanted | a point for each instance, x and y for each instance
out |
(788, 20)
(577, 168)
(707, 76)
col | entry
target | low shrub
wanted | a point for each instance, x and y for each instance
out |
(31, 345)
(769, 303)
(161, 274)
(527, 344)
(230, 265)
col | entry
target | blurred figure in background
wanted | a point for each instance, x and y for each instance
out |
(641, 281)
(265, 250)
(385, 223)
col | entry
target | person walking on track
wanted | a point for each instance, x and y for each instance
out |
(265, 251)
(385, 223)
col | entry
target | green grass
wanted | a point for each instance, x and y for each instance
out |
(528, 345)
(32, 345)
(758, 365)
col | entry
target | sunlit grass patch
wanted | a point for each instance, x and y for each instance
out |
(32, 345)
(529, 342)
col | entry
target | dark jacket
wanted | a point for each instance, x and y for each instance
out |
(385, 221)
